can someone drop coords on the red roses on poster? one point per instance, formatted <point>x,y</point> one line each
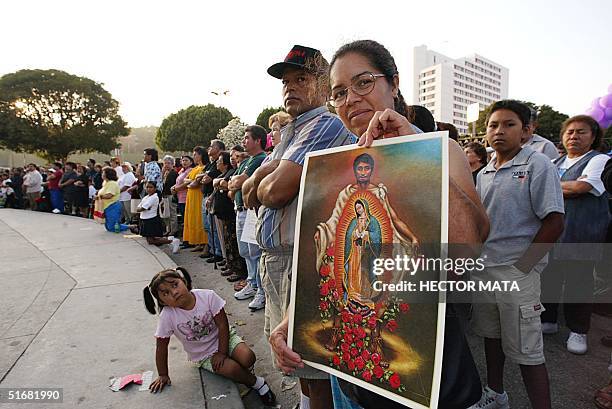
<point>354,351</point>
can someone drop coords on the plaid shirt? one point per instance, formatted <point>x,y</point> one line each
<point>314,130</point>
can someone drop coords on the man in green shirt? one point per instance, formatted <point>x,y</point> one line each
<point>255,138</point>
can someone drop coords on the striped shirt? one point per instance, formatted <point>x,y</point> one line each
<point>314,130</point>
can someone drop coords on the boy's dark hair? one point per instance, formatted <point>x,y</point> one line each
<point>150,292</point>
<point>238,148</point>
<point>593,124</point>
<point>72,165</point>
<point>521,110</point>
<point>381,59</point>
<point>258,133</point>
<point>58,164</point>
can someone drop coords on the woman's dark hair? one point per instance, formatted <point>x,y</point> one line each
<point>150,292</point>
<point>188,158</point>
<point>479,150</point>
<point>258,133</point>
<point>238,148</point>
<point>380,58</point>
<point>226,158</point>
<point>595,128</point>
<point>153,153</point>
<point>109,173</point>
<point>203,154</point>
<point>521,110</point>
<point>151,183</point>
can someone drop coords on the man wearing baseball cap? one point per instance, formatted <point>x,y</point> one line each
<point>276,183</point>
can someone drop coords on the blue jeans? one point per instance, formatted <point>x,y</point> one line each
<point>57,199</point>
<point>249,251</point>
<point>208,224</point>
<point>341,401</point>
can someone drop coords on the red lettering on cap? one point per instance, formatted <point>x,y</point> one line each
<point>296,53</point>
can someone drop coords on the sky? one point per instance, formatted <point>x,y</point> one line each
<point>156,58</point>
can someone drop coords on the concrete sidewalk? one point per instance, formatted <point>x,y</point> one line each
<point>73,314</point>
<point>73,317</point>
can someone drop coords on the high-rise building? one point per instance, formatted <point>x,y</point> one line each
<point>446,86</point>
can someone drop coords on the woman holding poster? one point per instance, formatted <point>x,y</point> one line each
<point>365,94</point>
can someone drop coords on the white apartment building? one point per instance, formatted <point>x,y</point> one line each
<point>446,86</point>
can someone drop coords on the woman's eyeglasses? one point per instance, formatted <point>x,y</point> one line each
<point>361,85</point>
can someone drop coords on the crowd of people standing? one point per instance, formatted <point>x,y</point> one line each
<point>237,207</point>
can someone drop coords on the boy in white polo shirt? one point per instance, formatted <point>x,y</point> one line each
<point>521,192</point>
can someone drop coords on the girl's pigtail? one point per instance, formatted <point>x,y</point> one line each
<point>149,300</point>
<point>185,275</point>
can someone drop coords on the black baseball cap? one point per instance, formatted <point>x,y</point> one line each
<point>298,57</point>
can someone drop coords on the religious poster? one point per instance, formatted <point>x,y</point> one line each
<point>362,214</point>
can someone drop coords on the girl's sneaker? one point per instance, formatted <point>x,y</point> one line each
<point>266,395</point>
<point>491,400</point>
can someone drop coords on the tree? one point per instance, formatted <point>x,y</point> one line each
<point>233,133</point>
<point>549,121</point>
<point>262,118</point>
<point>193,126</point>
<point>54,114</point>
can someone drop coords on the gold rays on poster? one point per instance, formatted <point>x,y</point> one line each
<point>376,210</point>
<point>402,358</point>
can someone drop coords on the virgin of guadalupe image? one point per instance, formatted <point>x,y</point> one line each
<point>362,245</point>
<point>363,227</point>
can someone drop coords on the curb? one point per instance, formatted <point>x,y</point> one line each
<point>219,392</point>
